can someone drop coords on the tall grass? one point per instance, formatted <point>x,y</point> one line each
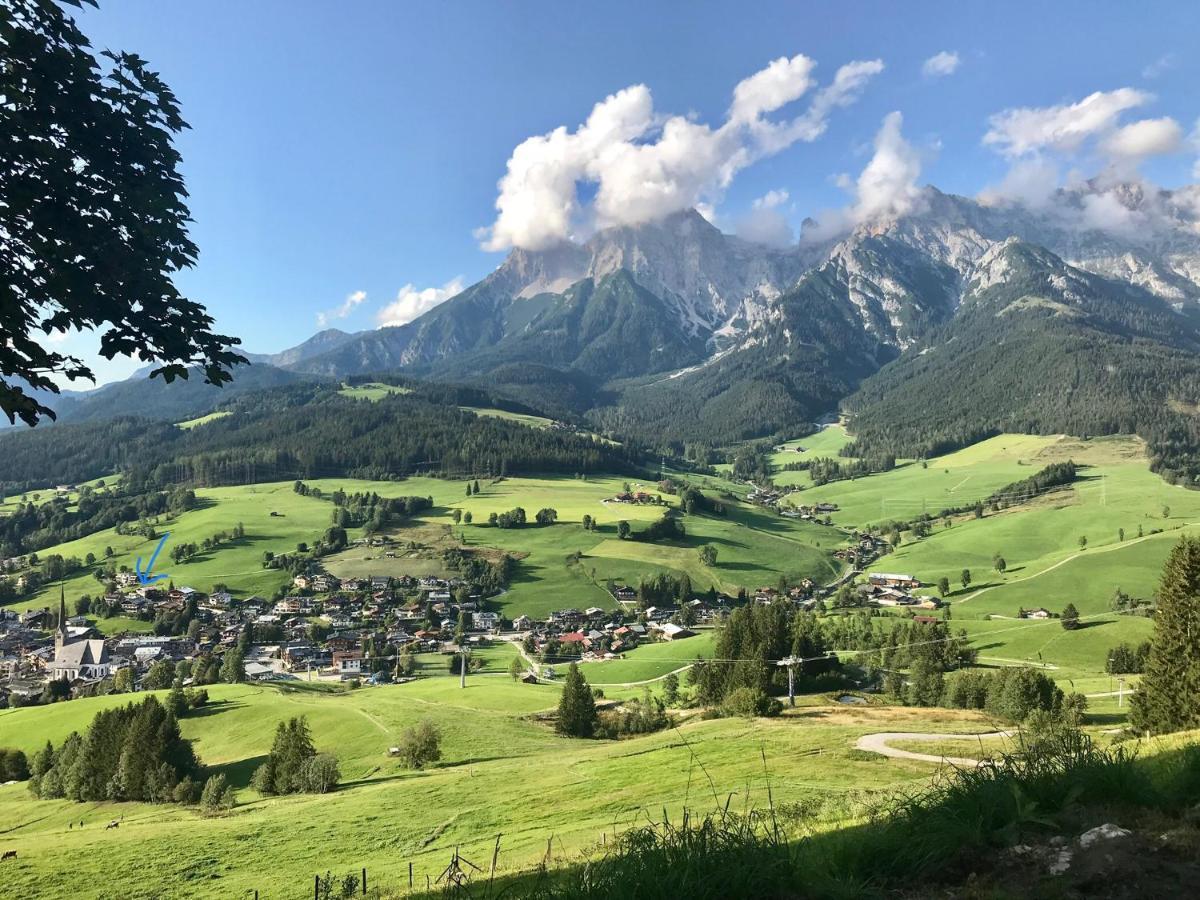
<point>937,834</point>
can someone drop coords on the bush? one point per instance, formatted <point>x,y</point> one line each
<point>421,745</point>
<point>187,792</point>
<point>750,703</point>
<point>320,773</point>
<point>642,716</point>
<point>217,797</point>
<point>13,765</point>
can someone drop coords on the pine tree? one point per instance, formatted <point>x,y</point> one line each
<point>576,706</point>
<point>233,668</point>
<point>1168,698</point>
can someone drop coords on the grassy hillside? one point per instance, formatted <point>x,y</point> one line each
<point>502,773</point>
<point>754,546</point>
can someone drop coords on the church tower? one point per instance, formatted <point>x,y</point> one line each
<point>60,633</point>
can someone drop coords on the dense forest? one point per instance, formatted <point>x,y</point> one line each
<point>307,431</point>
<point>1025,357</point>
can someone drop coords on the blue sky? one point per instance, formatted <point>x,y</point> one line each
<point>341,152</point>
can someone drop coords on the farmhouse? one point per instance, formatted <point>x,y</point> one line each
<point>671,632</point>
<point>1037,613</point>
<point>889,579</point>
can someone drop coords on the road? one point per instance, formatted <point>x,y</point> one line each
<point>878,743</point>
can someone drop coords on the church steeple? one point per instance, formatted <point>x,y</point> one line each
<point>60,633</point>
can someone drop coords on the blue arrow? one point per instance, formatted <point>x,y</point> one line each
<point>146,577</point>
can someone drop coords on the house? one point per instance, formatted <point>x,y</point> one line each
<point>889,579</point>
<point>1037,613</point>
<point>485,621</point>
<point>522,623</point>
<point>257,671</point>
<point>348,662</point>
<point>925,620</point>
<point>625,594</point>
<point>672,632</point>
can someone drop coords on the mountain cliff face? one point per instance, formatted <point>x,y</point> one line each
<point>1038,345</point>
<point>678,330</point>
<point>1080,315</point>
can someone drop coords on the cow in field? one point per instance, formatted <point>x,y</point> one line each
<point>113,824</point>
<point>8,854</point>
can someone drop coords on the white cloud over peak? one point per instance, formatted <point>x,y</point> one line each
<point>1061,128</point>
<point>352,302</point>
<point>645,166</point>
<point>765,223</point>
<point>887,185</point>
<point>1042,142</point>
<point>940,64</point>
<point>886,188</point>
<point>412,302</point>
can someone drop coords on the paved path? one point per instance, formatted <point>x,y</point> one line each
<point>878,743</point>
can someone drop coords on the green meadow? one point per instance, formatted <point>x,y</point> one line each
<point>372,390</point>
<point>504,772</point>
<point>826,443</point>
<point>559,566</point>
<point>203,420</point>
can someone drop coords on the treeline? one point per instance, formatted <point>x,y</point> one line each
<point>691,499</point>
<point>823,470</point>
<point>33,525</point>
<point>304,431</point>
<point>748,645</point>
<point>666,528</point>
<point>185,550</point>
<point>1125,364</point>
<point>489,576</point>
<point>366,509</point>
<point>1013,694</point>
<point>1053,475</point>
<point>1127,659</point>
<point>132,752</point>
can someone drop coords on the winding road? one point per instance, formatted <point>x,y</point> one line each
<point>878,743</point>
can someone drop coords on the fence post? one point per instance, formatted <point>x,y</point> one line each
<point>364,881</point>
<point>410,884</point>
<point>316,887</point>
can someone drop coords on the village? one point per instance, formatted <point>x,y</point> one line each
<point>364,629</point>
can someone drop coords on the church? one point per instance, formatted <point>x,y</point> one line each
<point>86,658</point>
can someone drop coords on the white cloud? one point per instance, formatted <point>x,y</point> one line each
<point>1030,182</point>
<point>781,82</point>
<point>1062,128</point>
<point>765,223</point>
<point>1159,66</point>
<point>352,302</point>
<point>944,63</point>
<point>888,184</point>
<point>1041,141</point>
<point>1105,212</point>
<point>886,188</point>
<point>1144,138</point>
<point>412,302</point>
<point>772,199</point>
<point>646,166</point>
